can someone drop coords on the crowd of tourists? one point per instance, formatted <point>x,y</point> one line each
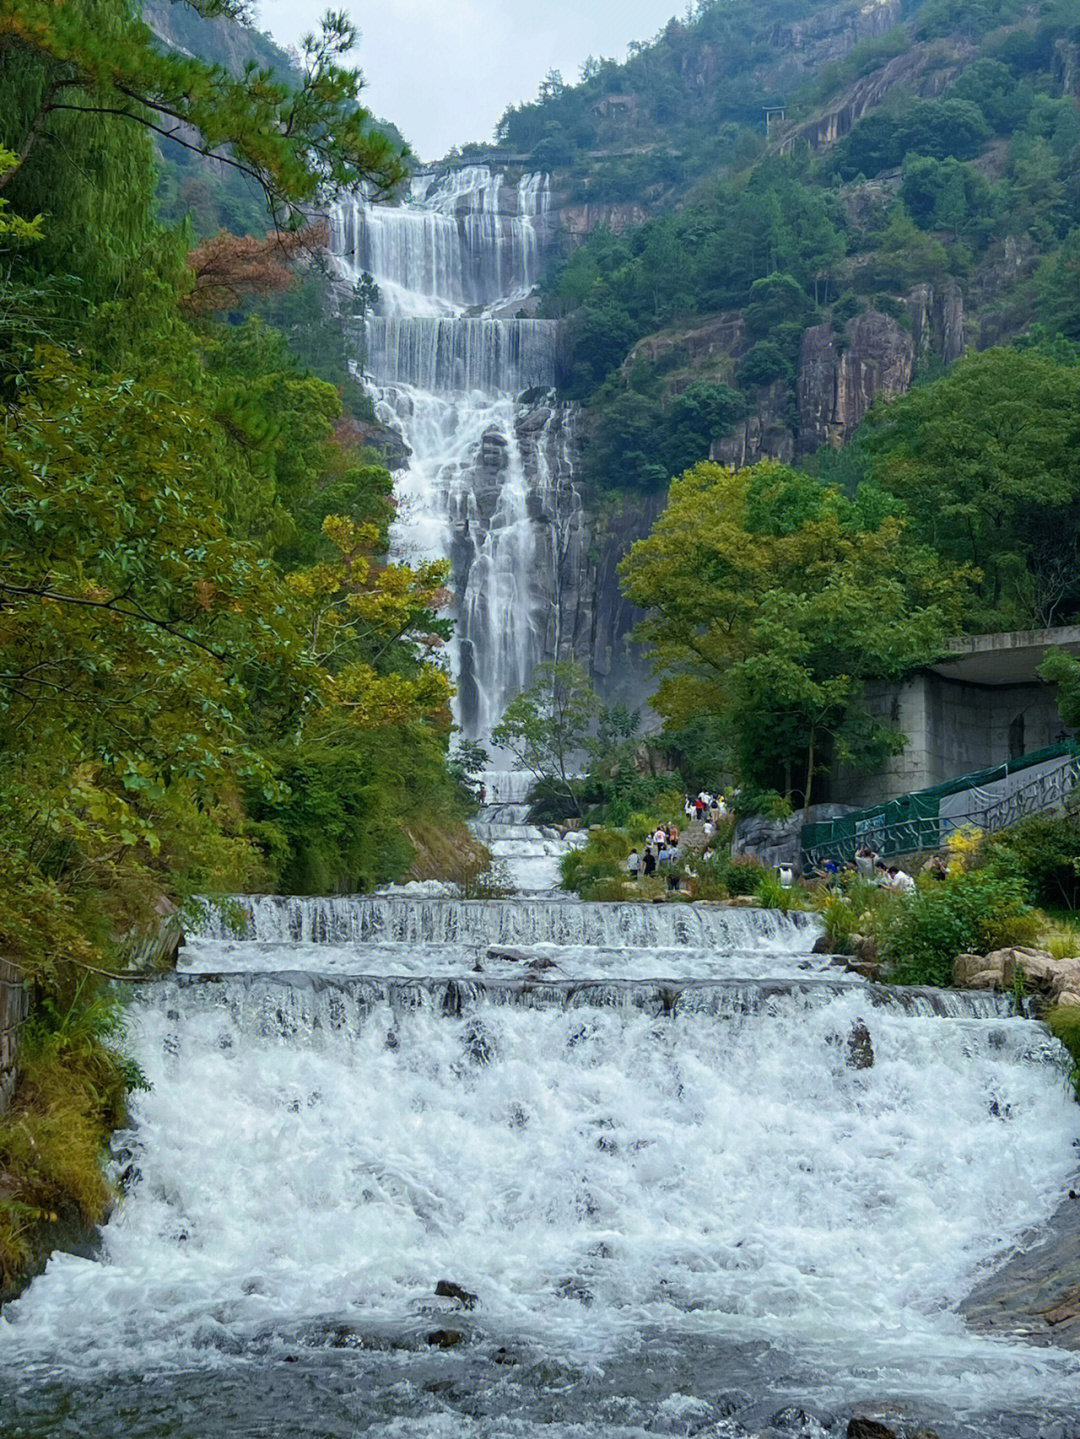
<point>869,866</point>
<point>662,851</point>
<point>662,848</point>
<point>708,809</point>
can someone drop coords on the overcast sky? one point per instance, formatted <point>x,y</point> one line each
<point>445,70</point>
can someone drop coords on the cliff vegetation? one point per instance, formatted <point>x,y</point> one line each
<point>776,215</point>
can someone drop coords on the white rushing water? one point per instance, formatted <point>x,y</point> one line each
<point>447,358</point>
<point>598,1159</point>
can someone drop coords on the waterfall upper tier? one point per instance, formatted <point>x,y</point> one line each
<point>464,239</point>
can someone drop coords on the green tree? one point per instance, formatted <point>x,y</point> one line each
<point>94,59</point>
<point>984,462</point>
<point>1063,670</point>
<point>550,728</point>
<point>771,600</point>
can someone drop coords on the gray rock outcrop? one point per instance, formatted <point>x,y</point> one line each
<point>1056,981</point>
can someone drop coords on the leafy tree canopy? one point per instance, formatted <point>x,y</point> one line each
<point>984,462</point>
<point>91,58</point>
<point>771,599</point>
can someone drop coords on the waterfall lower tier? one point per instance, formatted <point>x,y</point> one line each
<point>462,354</point>
<point>297,1002</point>
<point>660,1202</point>
<point>364,919</point>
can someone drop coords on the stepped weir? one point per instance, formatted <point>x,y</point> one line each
<point>687,1174</point>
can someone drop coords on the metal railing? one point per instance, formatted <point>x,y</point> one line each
<point>987,812</point>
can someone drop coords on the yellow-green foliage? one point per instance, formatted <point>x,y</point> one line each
<point>1062,940</point>
<point>70,1096</point>
<point>602,857</point>
<point>1064,1023</point>
<point>965,846</point>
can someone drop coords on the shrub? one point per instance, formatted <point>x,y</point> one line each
<point>775,895</point>
<point>839,917</point>
<point>605,890</point>
<point>72,1091</point>
<point>1045,850</point>
<point>1061,940</point>
<point>719,875</point>
<point>764,363</point>
<point>602,857</point>
<point>967,913</point>
<point>1064,1024</point>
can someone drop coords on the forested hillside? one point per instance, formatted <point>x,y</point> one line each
<point>845,238</point>
<point>746,284</point>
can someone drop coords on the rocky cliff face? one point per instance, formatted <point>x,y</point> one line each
<point>575,585</point>
<point>924,70</point>
<point>841,375</point>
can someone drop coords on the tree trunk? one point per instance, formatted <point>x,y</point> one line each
<point>809,770</point>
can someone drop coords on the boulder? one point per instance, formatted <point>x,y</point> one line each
<point>864,959</point>
<point>447,1289</point>
<point>862,1428</point>
<point>507,952</point>
<point>860,1049</point>
<point>779,841</point>
<point>978,971</point>
<point>864,948</point>
<point>1049,977</point>
<point>445,1338</point>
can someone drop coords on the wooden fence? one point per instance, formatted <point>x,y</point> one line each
<point>13,1001</point>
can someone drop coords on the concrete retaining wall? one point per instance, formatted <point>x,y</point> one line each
<point>952,728</point>
<point>13,1006</point>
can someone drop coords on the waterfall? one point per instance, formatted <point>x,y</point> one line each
<point>411,1163</point>
<point>448,356</point>
<point>684,1171</point>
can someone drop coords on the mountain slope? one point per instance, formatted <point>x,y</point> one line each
<point>803,208</point>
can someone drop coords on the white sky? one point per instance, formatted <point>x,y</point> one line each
<point>445,70</point>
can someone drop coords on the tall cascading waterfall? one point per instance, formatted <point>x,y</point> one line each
<point>444,1167</point>
<point>488,485</point>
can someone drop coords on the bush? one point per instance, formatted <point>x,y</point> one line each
<point>968,913</point>
<point>605,890</point>
<point>602,857</point>
<point>775,895</point>
<point>839,917</point>
<point>1045,851</point>
<point>72,1092</point>
<point>763,364</point>
<point>719,875</point>
<point>1064,1024</point>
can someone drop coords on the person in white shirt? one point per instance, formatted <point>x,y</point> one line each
<point>900,881</point>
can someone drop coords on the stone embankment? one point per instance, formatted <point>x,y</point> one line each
<point>1035,1296</point>
<point>1051,981</point>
